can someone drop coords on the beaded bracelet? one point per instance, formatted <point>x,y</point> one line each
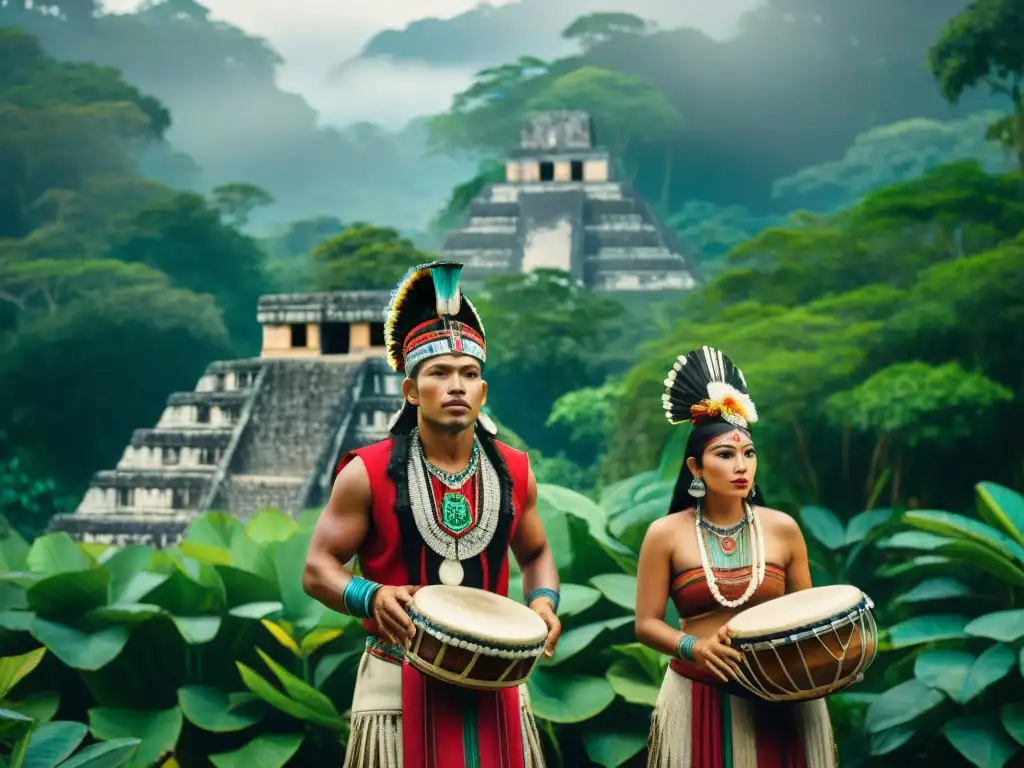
<point>684,647</point>
<point>358,597</point>
<point>547,592</point>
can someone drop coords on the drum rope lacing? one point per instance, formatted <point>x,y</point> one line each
<point>859,618</point>
<point>757,564</point>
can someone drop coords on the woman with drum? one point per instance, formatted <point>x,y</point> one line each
<point>718,552</point>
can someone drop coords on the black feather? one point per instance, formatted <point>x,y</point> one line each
<point>687,382</point>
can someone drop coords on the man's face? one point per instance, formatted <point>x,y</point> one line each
<point>449,391</point>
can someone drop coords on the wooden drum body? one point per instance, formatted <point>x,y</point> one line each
<point>805,645</point>
<point>474,639</point>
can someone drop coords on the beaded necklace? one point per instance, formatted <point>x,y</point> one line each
<point>751,551</point>
<point>450,531</point>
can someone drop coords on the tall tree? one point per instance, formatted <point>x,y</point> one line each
<point>596,28</point>
<point>364,257</point>
<point>983,45</point>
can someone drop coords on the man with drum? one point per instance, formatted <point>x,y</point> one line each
<point>439,502</point>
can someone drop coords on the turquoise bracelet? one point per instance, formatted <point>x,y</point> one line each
<point>684,648</point>
<point>358,597</point>
<point>547,592</point>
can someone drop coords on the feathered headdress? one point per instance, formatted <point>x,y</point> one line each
<point>704,385</point>
<point>428,316</point>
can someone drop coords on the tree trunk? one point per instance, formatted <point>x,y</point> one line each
<point>666,183</point>
<point>812,477</point>
<point>876,459</point>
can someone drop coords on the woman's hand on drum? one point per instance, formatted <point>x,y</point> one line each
<point>543,607</point>
<point>717,653</point>
<point>389,611</point>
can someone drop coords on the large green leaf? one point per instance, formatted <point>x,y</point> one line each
<point>922,565</point>
<point>78,648</point>
<point>945,670</point>
<point>629,681</point>
<point>1012,716</point>
<point>194,597</point>
<point>568,698</point>
<point>1004,626</point>
<point>52,743</point>
<point>57,553</point>
<point>613,749</point>
<point>652,664</point>
<point>620,495</point>
<point>580,638</point>
<point>918,540</point>
<point>865,524</point>
<point>673,453</point>
<point>69,594</point>
<point>630,524</point>
<point>214,710</point>
<point>224,532</point>
<point>13,669</point>
<point>617,588</point>
<point>124,566</point>
<point>571,502</point>
<point>158,729</point>
<point>41,706</point>
<point>266,691</point>
<point>962,527</point>
<point>271,525</point>
<point>299,690</point>
<point>992,666</point>
<point>901,705</point>
<point>575,599</point>
<point>923,629</point>
<point>1002,508</point>
<point>269,750</point>
<point>982,740</point>
<point>984,558</point>
<point>940,588</point>
<point>106,754</point>
<point>824,526</point>
<point>289,559</point>
<point>888,741</point>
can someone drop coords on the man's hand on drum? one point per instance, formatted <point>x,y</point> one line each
<point>389,611</point>
<point>717,653</point>
<point>543,607</point>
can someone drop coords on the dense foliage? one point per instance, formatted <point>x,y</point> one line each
<point>866,275</point>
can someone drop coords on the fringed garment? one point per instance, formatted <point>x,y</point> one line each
<point>448,726</point>
<point>700,723</point>
<point>402,718</point>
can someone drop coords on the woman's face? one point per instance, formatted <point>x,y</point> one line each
<point>730,464</point>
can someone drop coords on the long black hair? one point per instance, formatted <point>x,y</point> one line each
<point>695,444</point>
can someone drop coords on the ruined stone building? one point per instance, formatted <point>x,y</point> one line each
<point>255,433</point>
<point>560,207</point>
<point>268,431</point>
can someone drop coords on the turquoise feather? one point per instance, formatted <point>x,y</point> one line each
<point>446,287</point>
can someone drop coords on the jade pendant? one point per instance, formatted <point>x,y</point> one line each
<point>455,514</point>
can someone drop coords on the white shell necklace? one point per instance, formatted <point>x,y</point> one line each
<point>757,565</point>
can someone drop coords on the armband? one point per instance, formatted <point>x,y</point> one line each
<point>684,647</point>
<point>547,592</point>
<point>358,597</point>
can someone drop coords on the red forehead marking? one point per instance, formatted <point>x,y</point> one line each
<point>735,437</point>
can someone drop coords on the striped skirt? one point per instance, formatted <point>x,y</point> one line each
<point>696,725</point>
<point>375,736</point>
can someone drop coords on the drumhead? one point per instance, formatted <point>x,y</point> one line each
<point>477,613</point>
<point>795,610</point>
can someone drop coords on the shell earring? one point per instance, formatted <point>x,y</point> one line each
<point>697,488</point>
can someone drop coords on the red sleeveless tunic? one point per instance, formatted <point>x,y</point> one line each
<point>381,557</point>
<point>443,726</point>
